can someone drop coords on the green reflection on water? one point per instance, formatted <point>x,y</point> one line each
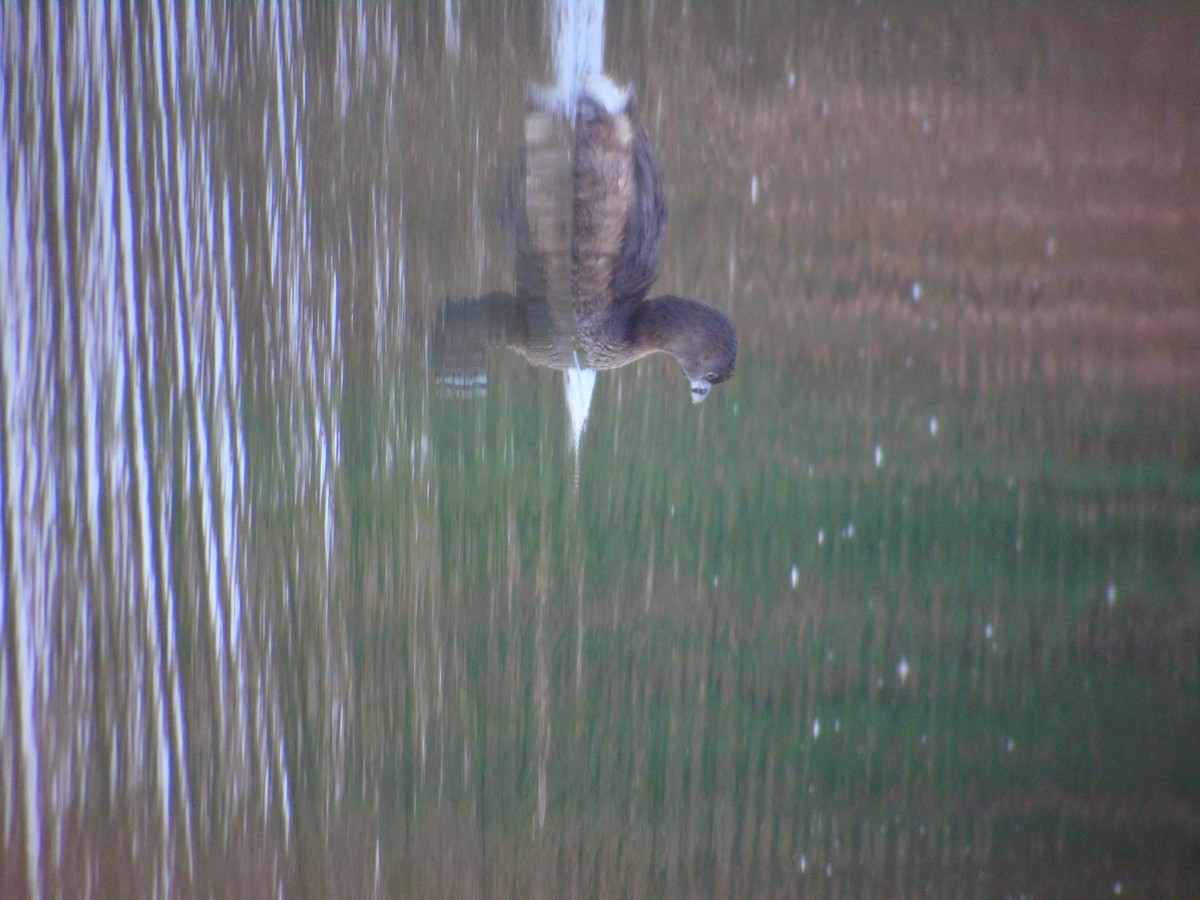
<point>747,637</point>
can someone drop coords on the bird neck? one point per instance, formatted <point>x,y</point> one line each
<point>650,325</point>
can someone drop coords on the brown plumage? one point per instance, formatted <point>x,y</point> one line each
<point>586,261</point>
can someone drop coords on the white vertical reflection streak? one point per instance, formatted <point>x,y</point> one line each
<point>99,341</point>
<point>389,258</point>
<point>25,534</point>
<point>211,364</point>
<point>312,354</point>
<point>170,657</point>
<point>100,350</point>
<point>57,681</point>
<point>190,356</point>
<point>8,252</point>
<point>116,457</point>
<point>155,585</point>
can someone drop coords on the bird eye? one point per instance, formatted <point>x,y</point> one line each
<point>712,377</point>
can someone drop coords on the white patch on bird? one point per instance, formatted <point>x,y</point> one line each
<point>607,93</point>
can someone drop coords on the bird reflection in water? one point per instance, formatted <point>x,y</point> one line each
<point>589,214</point>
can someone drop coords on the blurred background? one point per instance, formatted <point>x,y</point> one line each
<point>910,606</point>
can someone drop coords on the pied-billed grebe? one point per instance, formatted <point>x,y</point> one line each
<point>620,218</point>
<point>604,237</point>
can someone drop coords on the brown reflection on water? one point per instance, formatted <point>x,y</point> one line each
<point>276,620</point>
<point>1024,180</point>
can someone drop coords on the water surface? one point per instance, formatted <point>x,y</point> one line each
<point>911,605</point>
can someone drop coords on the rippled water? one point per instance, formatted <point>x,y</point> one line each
<point>911,605</point>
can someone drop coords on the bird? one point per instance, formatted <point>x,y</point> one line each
<point>590,213</point>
